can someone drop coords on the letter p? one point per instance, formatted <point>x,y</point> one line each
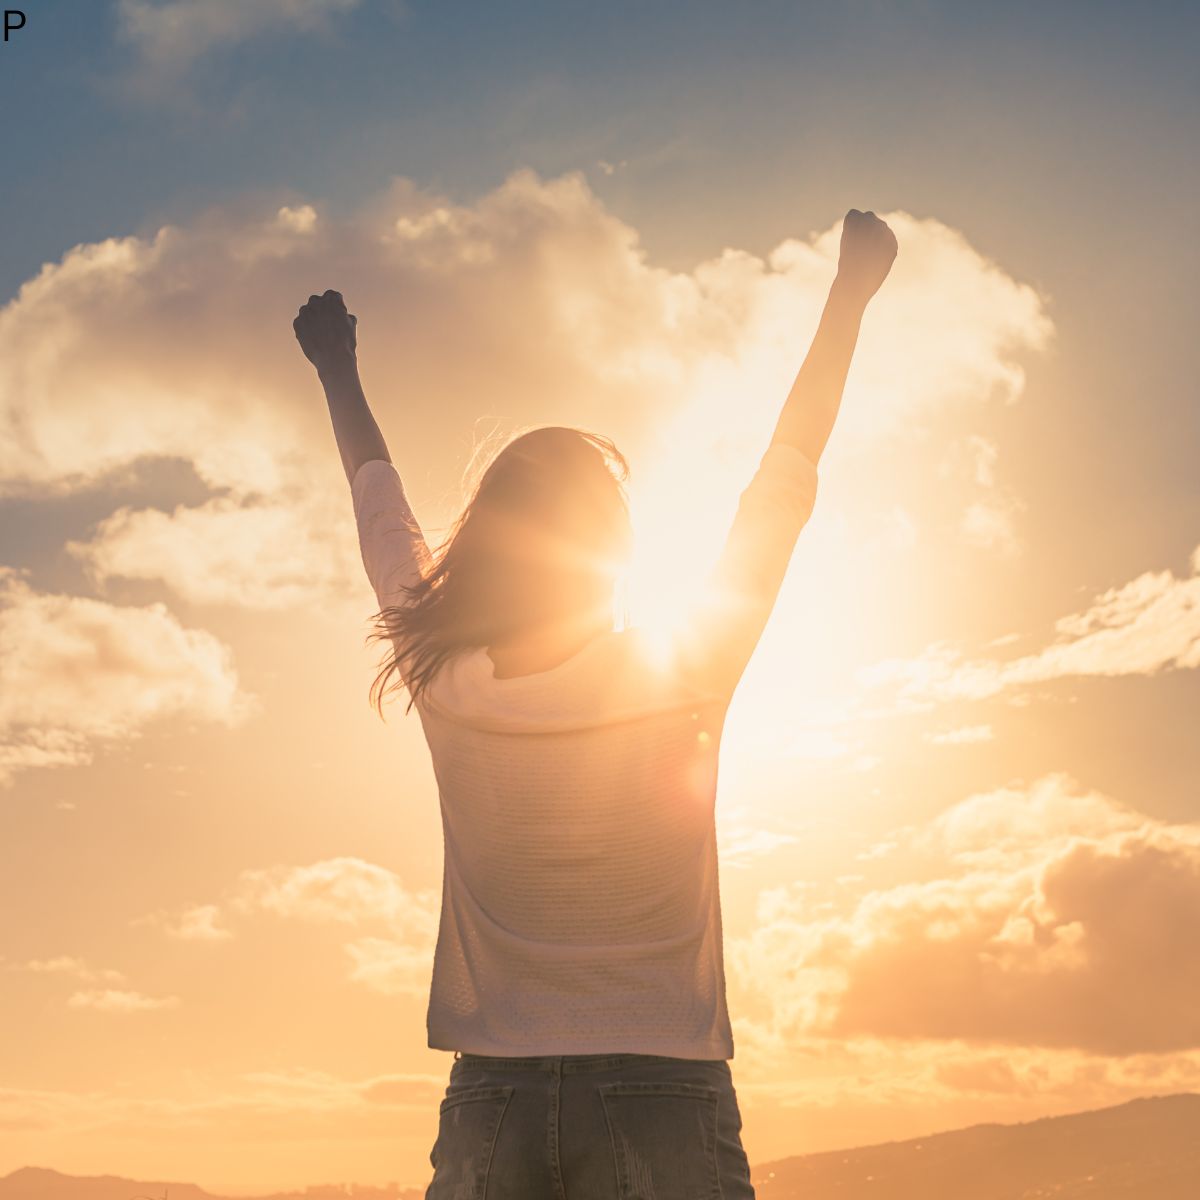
<point>14,19</point>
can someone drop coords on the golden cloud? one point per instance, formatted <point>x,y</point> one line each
<point>77,672</point>
<point>335,891</point>
<point>113,1000</point>
<point>532,304</point>
<point>1062,919</point>
<point>1150,624</point>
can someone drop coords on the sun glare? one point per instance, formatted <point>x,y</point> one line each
<point>669,566</point>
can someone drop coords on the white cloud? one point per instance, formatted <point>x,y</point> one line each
<point>172,32</point>
<point>532,299</point>
<point>531,304</point>
<point>75,406</point>
<point>199,923</point>
<point>985,319</point>
<point>76,673</point>
<point>264,556</point>
<point>114,1001</point>
<point>345,889</point>
<point>302,219</point>
<point>989,517</point>
<point>392,967</point>
<point>66,964</point>
<point>337,891</point>
<point>985,453</point>
<point>1147,625</point>
<point>741,840</point>
<point>1059,918</point>
<point>1008,825</point>
<point>991,524</point>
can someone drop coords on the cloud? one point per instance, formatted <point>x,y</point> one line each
<point>741,840</point>
<point>991,524</point>
<point>1150,624</point>
<point>66,964</point>
<point>76,673</point>
<point>962,736</point>
<point>351,891</point>
<point>300,552</point>
<point>113,1001</point>
<point>933,1083</point>
<point>1059,919</point>
<point>336,891</point>
<point>84,392</point>
<point>302,219</point>
<point>989,520</point>
<point>343,889</point>
<point>531,305</point>
<point>173,32</point>
<point>399,1088</point>
<point>1008,824</point>
<point>988,320</point>
<point>195,924</point>
<point>392,967</point>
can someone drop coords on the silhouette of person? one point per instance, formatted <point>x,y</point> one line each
<point>578,974</point>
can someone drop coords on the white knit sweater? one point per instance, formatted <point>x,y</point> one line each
<point>580,902</point>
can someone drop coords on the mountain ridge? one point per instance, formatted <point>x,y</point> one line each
<point>1144,1149</point>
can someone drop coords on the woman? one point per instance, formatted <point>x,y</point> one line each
<point>578,974</point>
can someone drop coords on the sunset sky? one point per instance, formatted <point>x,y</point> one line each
<point>958,807</point>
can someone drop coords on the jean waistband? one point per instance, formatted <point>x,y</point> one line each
<point>567,1063</point>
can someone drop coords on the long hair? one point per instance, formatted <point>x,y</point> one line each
<point>539,544</point>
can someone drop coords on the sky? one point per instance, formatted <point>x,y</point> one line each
<point>958,813</point>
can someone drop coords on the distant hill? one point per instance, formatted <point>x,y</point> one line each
<point>40,1183</point>
<point>1144,1150</point>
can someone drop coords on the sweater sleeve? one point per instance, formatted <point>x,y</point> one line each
<point>729,618</point>
<point>393,548</point>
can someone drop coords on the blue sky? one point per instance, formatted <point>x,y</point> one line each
<point>1001,114</point>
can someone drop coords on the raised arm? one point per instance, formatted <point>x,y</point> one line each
<point>716,645</point>
<point>327,334</point>
<point>868,249</point>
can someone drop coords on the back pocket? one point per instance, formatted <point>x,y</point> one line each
<point>468,1122</point>
<point>664,1140</point>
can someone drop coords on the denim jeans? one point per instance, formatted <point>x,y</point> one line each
<point>589,1127</point>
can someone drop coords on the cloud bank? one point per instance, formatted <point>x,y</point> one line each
<point>533,304</point>
<point>76,673</point>
<point>1058,918</point>
<point>347,891</point>
<point>1150,624</point>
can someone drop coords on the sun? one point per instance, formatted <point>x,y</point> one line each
<point>677,539</point>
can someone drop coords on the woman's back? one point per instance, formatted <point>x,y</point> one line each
<point>580,903</point>
<point>586,835</point>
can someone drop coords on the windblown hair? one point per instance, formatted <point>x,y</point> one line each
<point>539,543</point>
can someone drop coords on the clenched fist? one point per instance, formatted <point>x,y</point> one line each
<point>327,333</point>
<point>867,253</point>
